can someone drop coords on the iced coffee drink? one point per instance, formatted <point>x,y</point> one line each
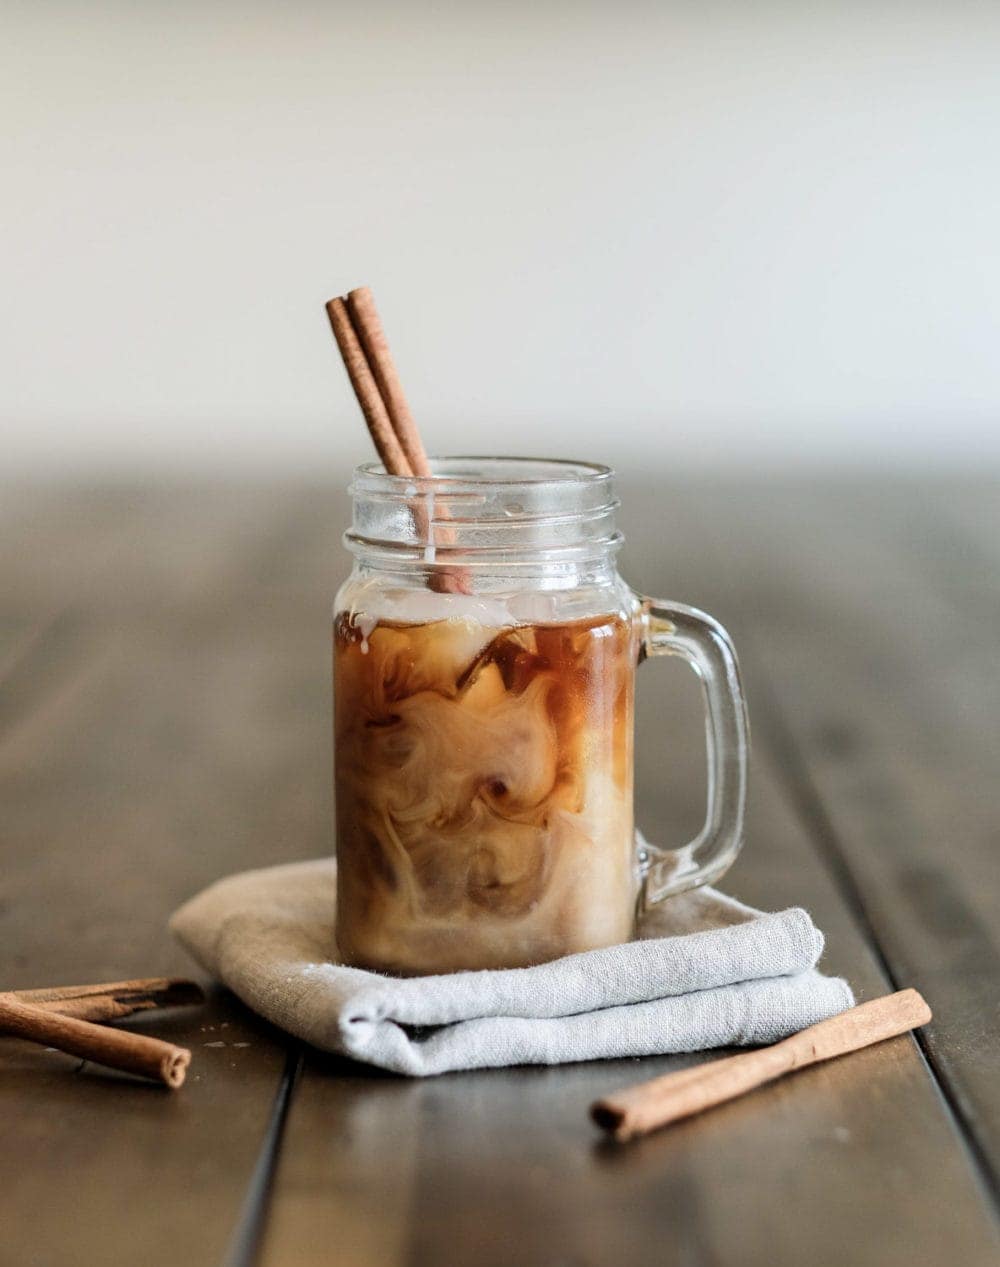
<point>485,649</point>
<point>483,789</point>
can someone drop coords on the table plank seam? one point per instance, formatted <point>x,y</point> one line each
<point>244,1245</point>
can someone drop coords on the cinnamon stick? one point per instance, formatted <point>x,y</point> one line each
<point>112,1000</point>
<point>118,1049</point>
<point>364,348</point>
<point>368,325</point>
<point>643,1108</point>
<point>366,389</point>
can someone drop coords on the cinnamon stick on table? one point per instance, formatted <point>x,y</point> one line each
<point>641,1109</point>
<point>117,1048</point>
<point>112,1000</point>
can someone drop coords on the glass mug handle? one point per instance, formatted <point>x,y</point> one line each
<point>675,629</point>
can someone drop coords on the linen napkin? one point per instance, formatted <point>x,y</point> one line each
<point>705,971</point>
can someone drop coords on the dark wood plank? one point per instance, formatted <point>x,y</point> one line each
<point>166,730</point>
<point>217,670</point>
<point>874,609</point>
<point>859,1161</point>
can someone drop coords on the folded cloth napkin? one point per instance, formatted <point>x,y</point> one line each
<point>705,971</point>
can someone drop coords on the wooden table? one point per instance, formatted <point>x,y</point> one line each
<point>164,720</point>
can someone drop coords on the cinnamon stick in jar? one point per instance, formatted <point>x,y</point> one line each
<point>372,371</point>
<point>359,371</point>
<point>368,324</point>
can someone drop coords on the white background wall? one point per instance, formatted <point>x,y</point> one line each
<point>695,233</point>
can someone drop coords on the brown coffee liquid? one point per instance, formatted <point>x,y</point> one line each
<point>483,784</point>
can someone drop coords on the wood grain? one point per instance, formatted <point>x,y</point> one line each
<point>873,609</point>
<point>860,1161</point>
<point>170,740</point>
<point>168,722</point>
<point>502,1166</point>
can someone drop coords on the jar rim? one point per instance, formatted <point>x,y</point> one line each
<point>486,511</point>
<point>533,472</point>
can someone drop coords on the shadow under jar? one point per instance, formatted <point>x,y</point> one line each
<point>485,650</point>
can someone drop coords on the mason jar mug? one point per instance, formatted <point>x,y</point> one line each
<point>485,656</point>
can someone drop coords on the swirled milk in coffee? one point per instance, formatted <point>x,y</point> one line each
<point>484,790</point>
